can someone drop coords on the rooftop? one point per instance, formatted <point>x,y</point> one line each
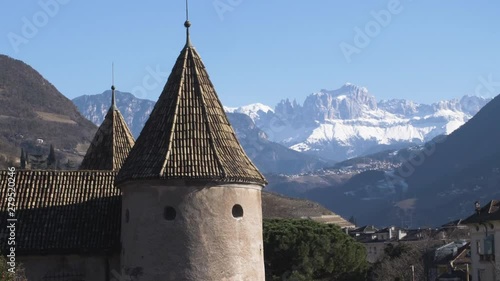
<point>63,212</point>
<point>80,211</point>
<point>188,135</point>
<point>111,144</point>
<point>490,212</point>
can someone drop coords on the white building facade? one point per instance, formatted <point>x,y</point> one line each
<point>484,228</point>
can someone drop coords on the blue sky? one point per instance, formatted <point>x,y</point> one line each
<point>262,51</point>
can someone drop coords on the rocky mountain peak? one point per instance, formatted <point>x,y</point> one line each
<point>472,104</point>
<point>347,102</point>
<point>400,106</point>
<point>334,124</point>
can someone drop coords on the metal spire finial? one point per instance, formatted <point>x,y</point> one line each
<point>113,100</point>
<point>187,24</point>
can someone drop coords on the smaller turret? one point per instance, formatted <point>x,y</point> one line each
<point>112,141</point>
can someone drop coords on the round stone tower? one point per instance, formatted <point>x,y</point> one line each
<point>191,204</point>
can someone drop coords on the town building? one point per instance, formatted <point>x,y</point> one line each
<point>484,226</point>
<point>451,262</point>
<point>375,240</point>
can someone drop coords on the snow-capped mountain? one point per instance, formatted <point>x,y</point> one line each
<point>254,111</point>
<point>270,157</point>
<point>335,125</point>
<point>349,122</point>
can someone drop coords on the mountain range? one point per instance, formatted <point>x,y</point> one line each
<point>400,162</point>
<point>270,157</point>
<point>422,185</point>
<point>426,183</point>
<point>349,122</point>
<point>331,125</point>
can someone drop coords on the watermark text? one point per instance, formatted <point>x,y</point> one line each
<point>364,36</point>
<point>31,26</point>
<point>11,220</point>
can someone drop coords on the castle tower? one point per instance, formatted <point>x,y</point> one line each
<point>191,198</point>
<point>112,142</point>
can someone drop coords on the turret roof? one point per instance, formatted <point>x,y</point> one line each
<point>111,144</point>
<point>188,135</point>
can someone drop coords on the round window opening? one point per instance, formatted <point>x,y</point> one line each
<point>127,216</point>
<point>237,211</point>
<point>169,213</point>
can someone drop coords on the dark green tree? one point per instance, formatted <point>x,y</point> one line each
<point>394,251</point>
<point>306,250</point>
<point>51,159</point>
<point>23,159</point>
<point>26,157</point>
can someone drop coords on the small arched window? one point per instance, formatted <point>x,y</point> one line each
<point>237,211</point>
<point>169,213</point>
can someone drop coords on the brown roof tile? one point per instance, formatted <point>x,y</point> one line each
<point>63,211</point>
<point>111,144</point>
<point>80,211</point>
<point>188,135</point>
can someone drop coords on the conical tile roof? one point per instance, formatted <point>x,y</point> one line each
<point>188,135</point>
<point>111,144</point>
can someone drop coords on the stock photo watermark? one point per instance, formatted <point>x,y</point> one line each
<point>11,220</point>
<point>153,79</point>
<point>118,277</point>
<point>364,36</point>
<point>32,25</point>
<point>224,6</point>
<point>417,159</point>
<point>487,86</point>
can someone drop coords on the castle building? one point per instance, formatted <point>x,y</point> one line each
<point>191,198</point>
<point>68,222</point>
<point>182,203</point>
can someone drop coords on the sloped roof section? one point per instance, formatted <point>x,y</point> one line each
<point>63,212</point>
<point>490,212</point>
<point>111,144</point>
<point>188,135</point>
